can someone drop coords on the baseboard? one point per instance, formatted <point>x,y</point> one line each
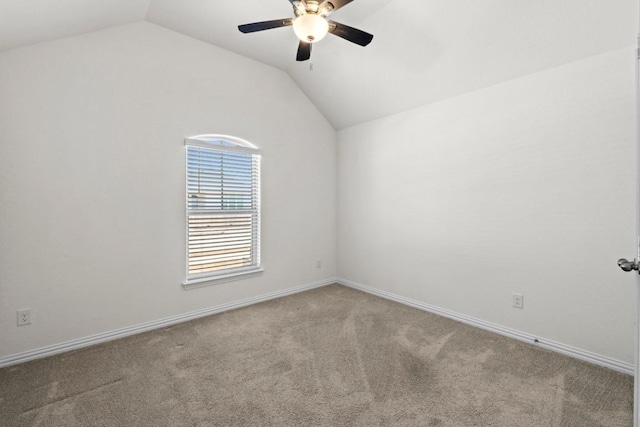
<point>168,321</point>
<point>156,324</point>
<point>577,353</point>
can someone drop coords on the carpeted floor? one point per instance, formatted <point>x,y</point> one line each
<point>332,356</point>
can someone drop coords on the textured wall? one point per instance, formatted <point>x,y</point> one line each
<point>527,186</point>
<point>92,186</point>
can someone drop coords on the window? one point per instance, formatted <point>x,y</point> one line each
<point>223,208</point>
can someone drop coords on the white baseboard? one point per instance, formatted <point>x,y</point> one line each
<point>577,353</point>
<point>50,350</point>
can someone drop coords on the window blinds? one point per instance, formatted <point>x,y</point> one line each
<point>223,210</point>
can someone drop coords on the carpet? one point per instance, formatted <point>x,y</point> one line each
<point>332,356</point>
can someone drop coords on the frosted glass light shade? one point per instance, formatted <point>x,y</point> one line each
<point>310,28</point>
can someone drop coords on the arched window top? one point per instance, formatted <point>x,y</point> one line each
<point>224,142</point>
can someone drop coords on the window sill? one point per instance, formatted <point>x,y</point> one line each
<point>210,281</point>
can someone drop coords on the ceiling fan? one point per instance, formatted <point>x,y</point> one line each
<point>311,25</point>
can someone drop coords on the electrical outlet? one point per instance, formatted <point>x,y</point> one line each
<point>518,300</point>
<point>318,263</point>
<point>24,317</point>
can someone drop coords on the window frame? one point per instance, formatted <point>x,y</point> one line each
<point>223,143</point>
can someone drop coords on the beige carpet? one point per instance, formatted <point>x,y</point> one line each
<point>327,357</point>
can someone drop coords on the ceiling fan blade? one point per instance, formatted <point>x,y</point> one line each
<point>304,51</point>
<point>265,25</point>
<point>337,4</point>
<point>354,35</point>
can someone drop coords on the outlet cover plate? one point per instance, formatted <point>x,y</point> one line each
<point>24,317</point>
<point>518,300</point>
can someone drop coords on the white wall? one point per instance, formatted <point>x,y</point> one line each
<point>92,186</point>
<point>526,186</point>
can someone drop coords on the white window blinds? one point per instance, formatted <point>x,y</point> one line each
<point>223,197</point>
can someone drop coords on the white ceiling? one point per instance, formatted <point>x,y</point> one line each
<point>34,21</point>
<point>423,50</point>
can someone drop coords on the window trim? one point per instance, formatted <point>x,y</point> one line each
<point>216,142</point>
<point>208,281</point>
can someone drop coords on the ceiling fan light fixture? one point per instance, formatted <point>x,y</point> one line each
<point>310,28</point>
<point>310,25</point>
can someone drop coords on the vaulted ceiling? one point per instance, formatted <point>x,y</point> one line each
<point>423,50</point>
